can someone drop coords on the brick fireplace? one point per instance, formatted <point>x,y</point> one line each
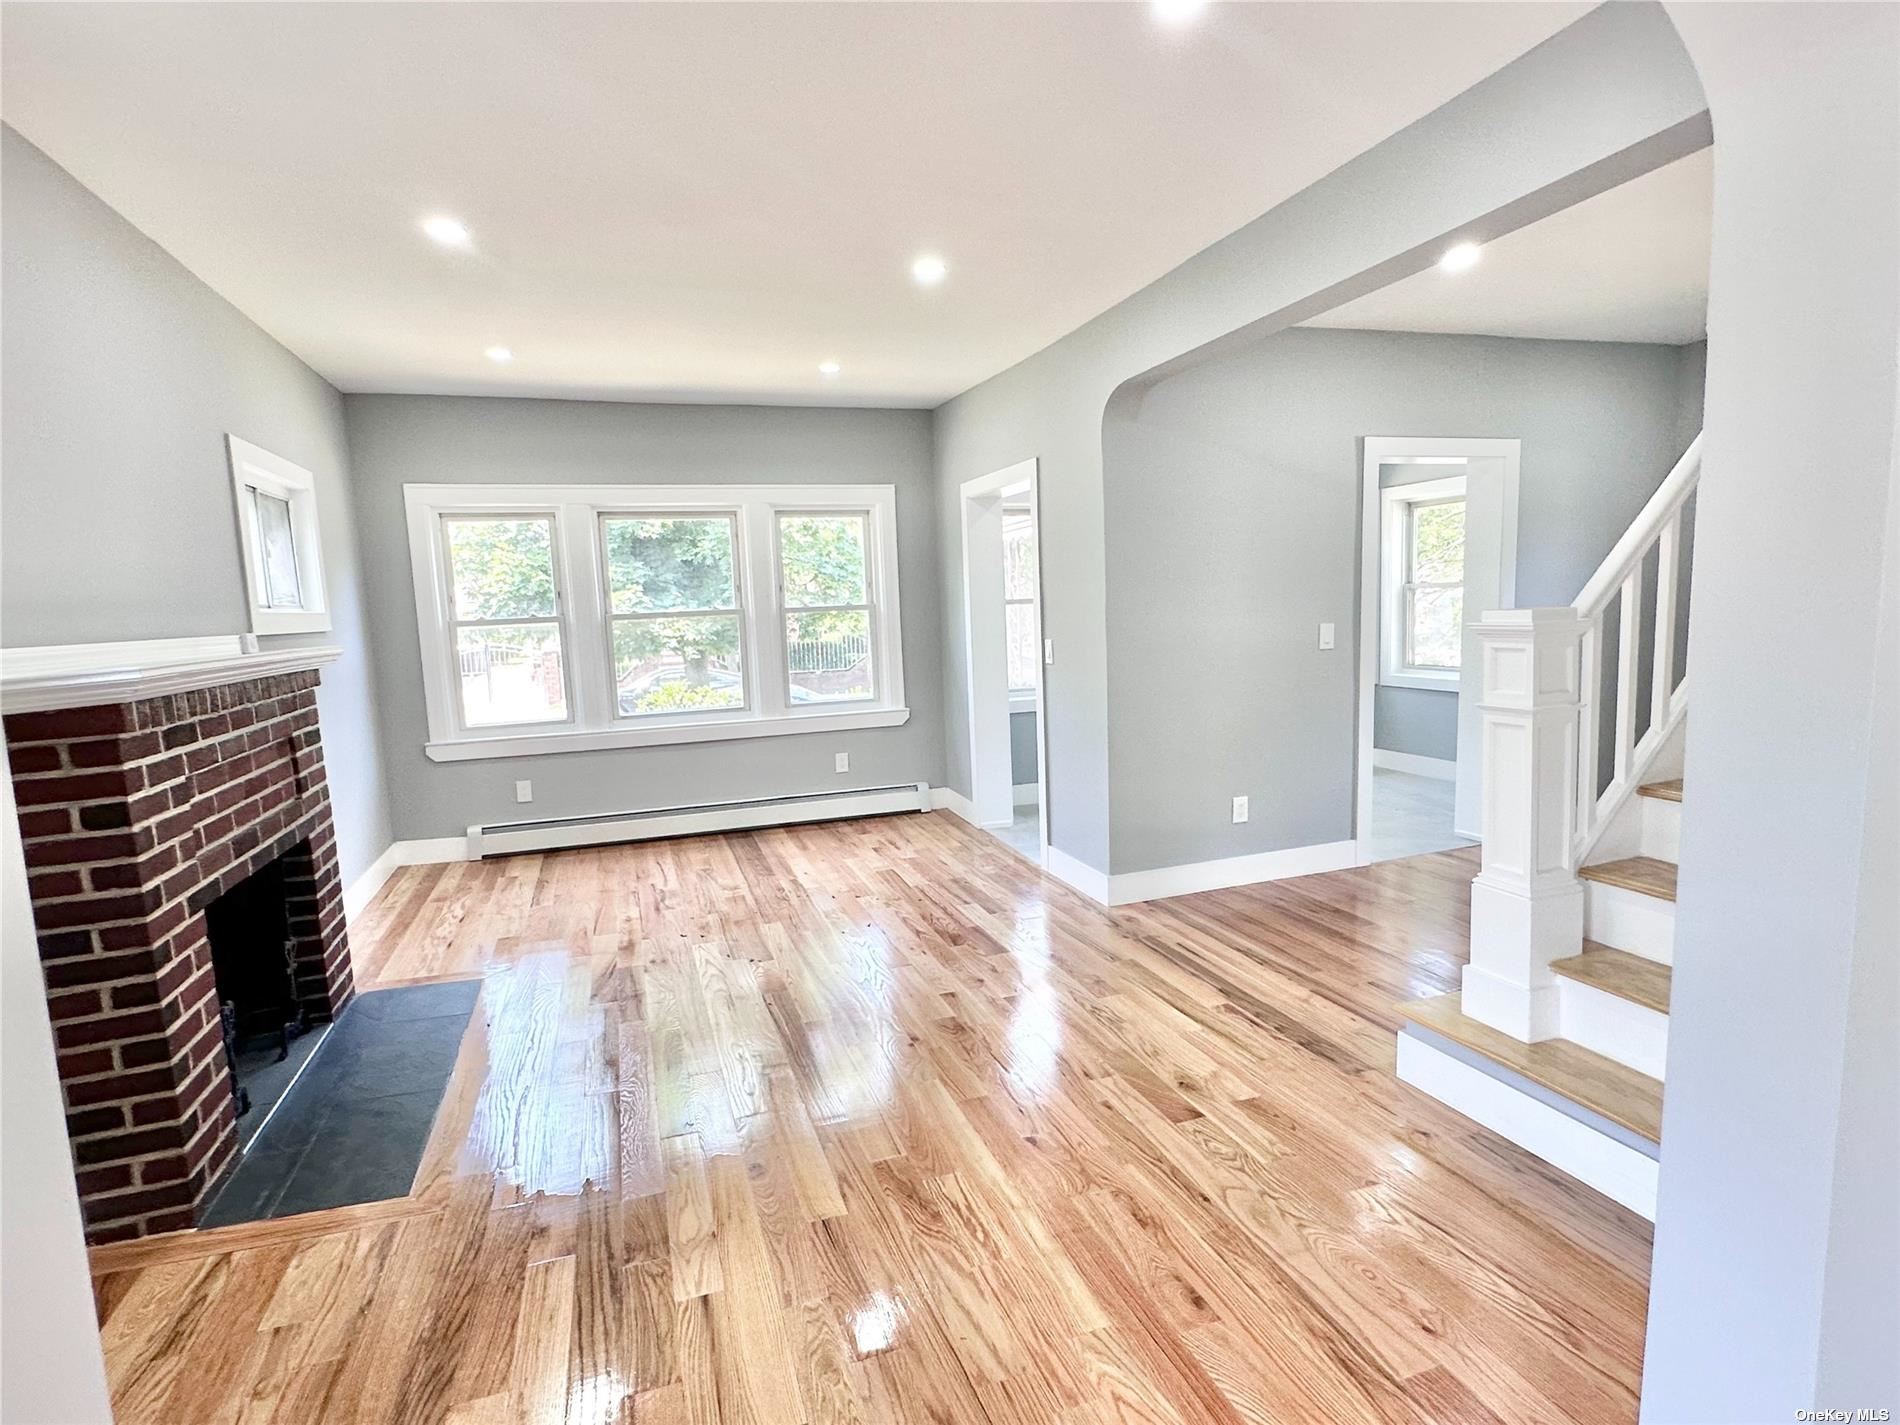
<point>137,815</point>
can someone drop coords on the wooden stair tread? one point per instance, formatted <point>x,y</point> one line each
<point>1670,791</point>
<point>1636,873</point>
<point>1605,1087</point>
<point>1619,973</point>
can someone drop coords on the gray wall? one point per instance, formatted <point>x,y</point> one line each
<point>1022,748</point>
<point>1612,96</point>
<point>396,440</point>
<point>1776,1277</point>
<point>122,374</point>
<point>1421,721</point>
<point>1233,526</point>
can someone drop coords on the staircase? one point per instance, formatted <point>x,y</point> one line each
<point>1559,1038</point>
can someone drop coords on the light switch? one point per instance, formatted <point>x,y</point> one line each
<point>524,791</point>
<point>841,762</point>
<point>1048,650</point>
<point>1326,637</point>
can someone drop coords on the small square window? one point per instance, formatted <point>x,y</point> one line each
<point>279,537</point>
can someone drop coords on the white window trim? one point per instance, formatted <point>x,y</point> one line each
<point>1395,506</point>
<point>253,470</point>
<point>582,608</point>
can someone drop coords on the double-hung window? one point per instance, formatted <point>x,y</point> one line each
<point>564,618</point>
<point>1022,642</point>
<point>504,619</point>
<point>675,623</point>
<point>824,586</point>
<point>1422,637</point>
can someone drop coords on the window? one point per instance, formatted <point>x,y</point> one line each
<point>1022,642</point>
<point>673,602</point>
<point>1422,638</point>
<point>280,540</point>
<point>504,620</point>
<point>563,618</point>
<point>822,569</point>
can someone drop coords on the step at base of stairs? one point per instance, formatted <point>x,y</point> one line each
<point>1591,1117</point>
<point>1617,972</point>
<point>1644,874</point>
<point>1640,924</point>
<point>1670,791</point>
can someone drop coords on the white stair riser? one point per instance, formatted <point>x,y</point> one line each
<point>1662,828</point>
<point>1612,1026</point>
<point>1629,920</point>
<point>1614,1169</point>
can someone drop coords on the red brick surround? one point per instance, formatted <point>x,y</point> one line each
<point>135,817</point>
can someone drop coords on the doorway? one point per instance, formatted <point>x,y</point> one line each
<point>1438,549</point>
<point>1003,649</point>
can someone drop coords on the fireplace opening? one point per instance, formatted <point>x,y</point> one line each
<point>254,962</point>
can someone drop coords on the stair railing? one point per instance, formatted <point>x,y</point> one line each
<point>1619,584</point>
<point>1551,786</point>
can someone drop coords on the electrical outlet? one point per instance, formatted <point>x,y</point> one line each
<point>1049,651</point>
<point>1240,810</point>
<point>524,791</point>
<point>841,763</point>
<point>1326,638</point>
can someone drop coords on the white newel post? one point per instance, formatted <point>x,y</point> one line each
<point>1526,903</point>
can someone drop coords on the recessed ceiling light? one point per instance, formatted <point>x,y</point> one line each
<point>929,269</point>
<point>500,355</point>
<point>1461,258</point>
<point>829,368</point>
<point>448,231</point>
<point>1177,12</point>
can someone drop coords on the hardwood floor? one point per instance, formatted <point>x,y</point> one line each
<point>872,1122</point>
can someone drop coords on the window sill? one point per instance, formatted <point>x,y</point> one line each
<point>545,744</point>
<point>1429,682</point>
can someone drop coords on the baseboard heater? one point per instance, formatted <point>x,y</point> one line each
<point>507,837</point>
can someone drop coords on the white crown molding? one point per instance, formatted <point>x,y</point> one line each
<point>78,675</point>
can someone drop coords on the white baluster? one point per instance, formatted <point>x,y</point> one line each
<point>1590,685</point>
<point>1629,634</point>
<point>1663,667</point>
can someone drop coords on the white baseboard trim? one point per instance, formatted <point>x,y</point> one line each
<point>1078,875</point>
<point>1025,794</point>
<point>432,851</point>
<point>1441,769</point>
<point>1614,1169</point>
<point>1127,887</point>
<point>950,800</point>
<point>360,892</point>
<point>954,802</point>
<point>1131,886</point>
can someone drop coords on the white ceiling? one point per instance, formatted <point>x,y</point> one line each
<point>1631,264</point>
<point>703,201</point>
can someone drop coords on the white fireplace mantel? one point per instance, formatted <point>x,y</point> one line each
<point>77,675</point>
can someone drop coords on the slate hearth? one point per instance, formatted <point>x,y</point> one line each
<point>353,1126</point>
